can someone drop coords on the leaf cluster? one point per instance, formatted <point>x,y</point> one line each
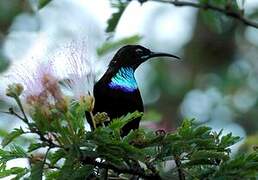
<point>193,152</point>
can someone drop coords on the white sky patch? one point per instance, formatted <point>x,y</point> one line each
<point>158,23</point>
<point>18,44</point>
<point>100,8</point>
<point>251,34</point>
<point>249,5</point>
<point>131,21</point>
<point>77,20</point>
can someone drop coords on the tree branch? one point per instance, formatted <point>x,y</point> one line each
<point>181,175</point>
<point>120,169</point>
<point>207,6</point>
<point>18,101</point>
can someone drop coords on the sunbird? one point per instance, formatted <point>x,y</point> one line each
<point>117,92</point>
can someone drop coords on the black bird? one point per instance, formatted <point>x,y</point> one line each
<point>117,93</point>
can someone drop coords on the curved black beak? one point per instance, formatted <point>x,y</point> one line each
<point>159,54</point>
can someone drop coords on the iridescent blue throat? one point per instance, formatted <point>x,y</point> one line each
<point>124,80</point>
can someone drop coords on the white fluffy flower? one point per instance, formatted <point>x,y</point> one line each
<point>31,76</point>
<point>72,65</point>
<point>75,64</point>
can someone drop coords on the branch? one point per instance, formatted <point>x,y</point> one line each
<point>32,130</point>
<point>50,143</point>
<point>18,101</point>
<point>181,175</point>
<point>11,112</point>
<point>119,169</point>
<point>207,6</point>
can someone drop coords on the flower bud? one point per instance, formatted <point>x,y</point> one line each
<point>62,105</point>
<point>87,101</point>
<point>100,118</point>
<point>14,90</point>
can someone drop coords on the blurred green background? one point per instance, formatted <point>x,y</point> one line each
<point>216,82</point>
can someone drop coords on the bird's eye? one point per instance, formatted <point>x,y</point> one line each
<point>112,63</point>
<point>139,51</point>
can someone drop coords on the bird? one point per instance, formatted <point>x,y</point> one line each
<point>117,92</point>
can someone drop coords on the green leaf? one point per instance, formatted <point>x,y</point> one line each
<point>3,133</point>
<point>4,64</point>
<point>213,20</point>
<point>118,123</point>
<point>70,166</point>
<point>15,152</point>
<point>35,146</point>
<point>19,175</point>
<point>37,171</point>
<point>186,128</point>
<point>83,172</point>
<point>152,115</point>
<point>228,140</point>
<point>11,136</point>
<point>113,21</point>
<point>241,167</point>
<point>18,151</point>
<point>12,171</point>
<point>204,154</point>
<point>50,175</point>
<point>108,46</point>
<point>56,156</point>
<point>202,131</point>
<point>43,3</point>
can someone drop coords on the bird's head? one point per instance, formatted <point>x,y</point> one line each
<point>134,55</point>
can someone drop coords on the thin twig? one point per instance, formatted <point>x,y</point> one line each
<point>18,101</point>
<point>11,112</point>
<point>44,139</point>
<point>121,169</point>
<point>207,6</point>
<point>45,158</point>
<point>5,112</point>
<point>151,167</point>
<point>181,175</point>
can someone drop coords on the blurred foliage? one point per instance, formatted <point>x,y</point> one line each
<point>249,144</point>
<point>4,63</point>
<point>224,3</point>
<point>3,132</point>
<point>8,12</point>
<point>112,45</point>
<point>197,152</point>
<point>43,3</point>
<point>120,5</point>
<point>152,115</point>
